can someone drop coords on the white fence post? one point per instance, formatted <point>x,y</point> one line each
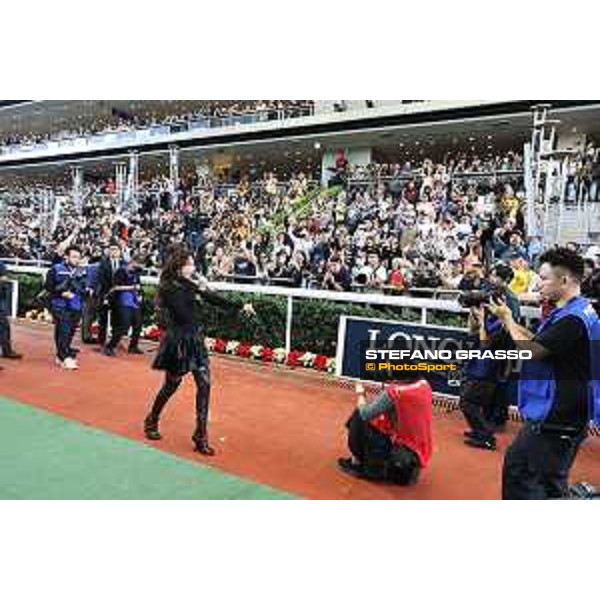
<point>288,325</point>
<point>14,299</point>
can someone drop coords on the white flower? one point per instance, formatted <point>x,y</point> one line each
<point>307,359</point>
<point>279,355</point>
<point>256,351</point>
<point>231,347</point>
<point>331,365</point>
<point>209,343</point>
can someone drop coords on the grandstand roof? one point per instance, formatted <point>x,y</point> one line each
<point>498,127</point>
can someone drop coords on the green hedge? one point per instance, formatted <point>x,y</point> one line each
<point>29,287</point>
<point>314,322</point>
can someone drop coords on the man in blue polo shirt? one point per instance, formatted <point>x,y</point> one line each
<point>558,389</point>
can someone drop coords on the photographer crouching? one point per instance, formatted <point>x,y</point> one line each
<point>390,438</point>
<point>558,388</point>
<point>482,401</point>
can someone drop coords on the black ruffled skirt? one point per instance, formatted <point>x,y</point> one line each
<point>180,352</point>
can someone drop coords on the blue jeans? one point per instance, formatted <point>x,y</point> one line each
<point>65,326</point>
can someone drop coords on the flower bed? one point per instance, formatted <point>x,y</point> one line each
<point>265,354</point>
<point>42,316</point>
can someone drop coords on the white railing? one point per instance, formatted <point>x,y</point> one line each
<point>198,126</point>
<point>25,262</point>
<point>424,305</point>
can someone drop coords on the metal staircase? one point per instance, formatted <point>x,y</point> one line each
<point>548,212</point>
<point>578,223</point>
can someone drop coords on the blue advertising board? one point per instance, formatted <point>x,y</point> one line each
<point>356,330</point>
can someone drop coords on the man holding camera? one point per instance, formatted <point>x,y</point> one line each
<point>482,402</point>
<point>66,284</point>
<point>558,389</point>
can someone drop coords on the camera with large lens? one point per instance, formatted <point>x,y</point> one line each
<point>477,298</point>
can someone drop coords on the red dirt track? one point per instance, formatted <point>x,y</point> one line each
<point>275,427</point>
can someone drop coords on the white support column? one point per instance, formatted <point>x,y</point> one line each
<point>77,178</point>
<point>530,196</point>
<point>288,325</point>
<point>120,183</point>
<point>14,299</point>
<point>132,182</point>
<point>56,211</point>
<point>46,214</point>
<point>174,167</point>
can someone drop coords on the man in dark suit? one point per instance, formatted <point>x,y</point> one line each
<point>105,279</point>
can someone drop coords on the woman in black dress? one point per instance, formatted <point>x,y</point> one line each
<point>182,349</point>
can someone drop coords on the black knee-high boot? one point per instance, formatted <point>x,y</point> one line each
<point>200,437</point>
<point>169,387</point>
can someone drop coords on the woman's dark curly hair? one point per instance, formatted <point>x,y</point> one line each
<point>177,256</point>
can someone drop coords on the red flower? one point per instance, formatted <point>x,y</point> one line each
<point>154,334</point>
<point>94,329</point>
<point>243,350</point>
<point>220,346</point>
<point>293,358</point>
<point>320,363</point>
<point>267,354</point>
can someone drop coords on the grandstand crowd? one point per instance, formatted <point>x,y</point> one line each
<point>387,227</point>
<point>120,120</point>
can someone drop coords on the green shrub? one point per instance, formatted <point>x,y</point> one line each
<point>29,287</point>
<point>314,322</point>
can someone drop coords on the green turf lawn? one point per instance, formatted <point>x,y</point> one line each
<point>43,456</point>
